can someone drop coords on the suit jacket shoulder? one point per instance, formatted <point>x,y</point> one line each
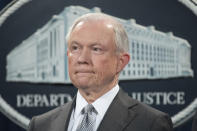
<point>152,119</point>
<point>126,114</point>
<point>54,120</point>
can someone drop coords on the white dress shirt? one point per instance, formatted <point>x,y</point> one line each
<point>101,105</point>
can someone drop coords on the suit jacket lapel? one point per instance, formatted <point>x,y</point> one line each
<point>69,112</point>
<point>119,114</point>
<point>63,117</point>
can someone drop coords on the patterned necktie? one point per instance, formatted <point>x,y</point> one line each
<point>89,117</point>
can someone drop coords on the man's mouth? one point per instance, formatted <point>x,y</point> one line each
<point>84,72</point>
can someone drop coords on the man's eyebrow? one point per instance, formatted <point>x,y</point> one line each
<point>90,45</point>
<point>74,42</point>
<point>96,43</point>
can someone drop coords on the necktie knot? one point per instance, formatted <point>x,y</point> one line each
<point>88,109</point>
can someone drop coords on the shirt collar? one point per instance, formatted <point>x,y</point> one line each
<point>101,104</point>
<point>80,104</point>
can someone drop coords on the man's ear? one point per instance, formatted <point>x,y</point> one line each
<point>122,61</point>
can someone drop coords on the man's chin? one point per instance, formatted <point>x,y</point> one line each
<point>82,84</point>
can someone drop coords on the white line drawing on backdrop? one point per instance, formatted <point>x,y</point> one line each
<point>42,56</point>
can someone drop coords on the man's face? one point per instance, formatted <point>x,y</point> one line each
<point>92,57</point>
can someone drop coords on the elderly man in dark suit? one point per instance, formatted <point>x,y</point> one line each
<point>97,53</point>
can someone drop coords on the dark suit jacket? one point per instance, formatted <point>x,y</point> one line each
<point>124,114</point>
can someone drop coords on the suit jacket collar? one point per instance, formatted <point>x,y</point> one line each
<point>119,114</point>
<point>66,112</point>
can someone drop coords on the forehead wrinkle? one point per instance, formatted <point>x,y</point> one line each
<point>90,44</point>
<point>74,42</point>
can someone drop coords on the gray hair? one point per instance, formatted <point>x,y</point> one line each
<point>121,38</point>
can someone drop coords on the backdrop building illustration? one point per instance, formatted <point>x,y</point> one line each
<point>42,56</point>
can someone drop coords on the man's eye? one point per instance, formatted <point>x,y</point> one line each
<point>74,47</point>
<point>97,49</point>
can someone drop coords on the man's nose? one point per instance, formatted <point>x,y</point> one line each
<point>84,57</point>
